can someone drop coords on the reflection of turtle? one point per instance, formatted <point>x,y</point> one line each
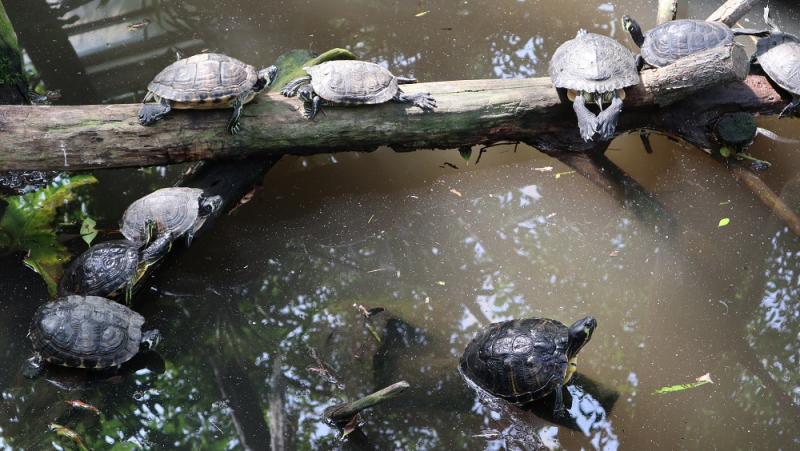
<point>779,56</point>
<point>86,332</point>
<point>594,68</point>
<point>179,211</point>
<point>205,81</point>
<point>525,359</point>
<point>114,267</point>
<point>670,41</point>
<point>352,83</point>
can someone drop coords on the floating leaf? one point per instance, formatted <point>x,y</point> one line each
<point>702,380</point>
<point>88,230</point>
<point>466,153</point>
<point>723,222</point>
<point>558,175</point>
<point>725,151</point>
<point>421,14</point>
<point>27,226</point>
<point>725,203</point>
<point>440,283</point>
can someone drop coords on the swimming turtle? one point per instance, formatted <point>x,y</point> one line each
<point>180,211</point>
<point>779,56</point>
<point>205,81</point>
<point>347,82</point>
<point>670,41</point>
<point>594,68</point>
<point>115,267</point>
<point>86,332</point>
<point>523,360</point>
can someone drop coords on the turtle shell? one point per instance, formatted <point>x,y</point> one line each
<point>593,63</point>
<point>86,332</point>
<point>352,82</point>
<point>103,270</point>
<point>175,210</point>
<point>670,41</point>
<point>779,56</point>
<point>520,360</point>
<point>207,80</point>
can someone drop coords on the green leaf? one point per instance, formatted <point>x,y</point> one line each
<point>675,388</point>
<point>466,154</point>
<point>723,222</point>
<point>28,226</point>
<point>558,175</point>
<point>725,151</point>
<point>88,230</point>
<point>422,13</point>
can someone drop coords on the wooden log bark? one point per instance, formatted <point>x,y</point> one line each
<point>470,112</point>
<point>733,10</point>
<point>667,10</point>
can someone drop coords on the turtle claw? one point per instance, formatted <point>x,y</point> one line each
<point>587,122</point>
<point>607,119</point>
<point>422,100</point>
<point>152,112</point>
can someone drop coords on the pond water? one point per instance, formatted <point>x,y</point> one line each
<point>268,299</point>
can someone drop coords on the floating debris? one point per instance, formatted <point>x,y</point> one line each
<point>139,25</point>
<point>702,380</point>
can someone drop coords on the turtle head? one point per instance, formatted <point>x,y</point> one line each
<point>209,204</point>
<point>305,93</point>
<point>633,29</point>
<point>32,367</point>
<point>579,334</point>
<point>265,78</point>
<point>150,339</point>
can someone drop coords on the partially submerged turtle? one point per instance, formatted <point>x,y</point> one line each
<point>594,68</point>
<point>670,41</point>
<point>779,56</point>
<point>346,82</point>
<point>205,81</point>
<point>86,332</point>
<point>526,359</point>
<point>115,267</point>
<point>180,211</point>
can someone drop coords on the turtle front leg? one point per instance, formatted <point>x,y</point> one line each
<point>152,112</point>
<point>587,122</point>
<point>420,99</point>
<point>290,90</point>
<point>32,367</point>
<point>559,411</point>
<point>607,120</point>
<point>238,104</point>
<point>791,106</point>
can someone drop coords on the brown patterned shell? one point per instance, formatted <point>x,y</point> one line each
<point>676,39</point>
<point>352,82</point>
<point>86,332</point>
<point>779,56</point>
<point>520,360</point>
<point>593,63</point>
<point>207,80</point>
<point>175,210</point>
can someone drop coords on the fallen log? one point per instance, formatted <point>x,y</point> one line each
<point>470,112</point>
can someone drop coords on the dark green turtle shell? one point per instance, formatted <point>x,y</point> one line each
<point>175,210</point>
<point>103,270</point>
<point>345,82</point>
<point>86,332</point>
<point>779,56</point>
<point>593,63</point>
<point>520,360</point>
<point>207,80</point>
<point>670,41</point>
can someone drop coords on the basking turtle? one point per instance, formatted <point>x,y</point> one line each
<point>670,41</point>
<point>205,81</point>
<point>594,68</point>
<point>115,267</point>
<point>344,82</point>
<point>180,211</point>
<point>86,332</point>
<point>526,359</point>
<point>779,56</point>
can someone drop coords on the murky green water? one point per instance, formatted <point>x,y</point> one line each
<point>443,249</point>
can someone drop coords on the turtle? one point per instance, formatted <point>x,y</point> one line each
<point>115,267</point>
<point>779,56</point>
<point>594,68</point>
<point>180,211</point>
<point>205,81</point>
<point>350,82</point>
<point>523,360</point>
<point>670,41</point>
<point>86,332</point>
